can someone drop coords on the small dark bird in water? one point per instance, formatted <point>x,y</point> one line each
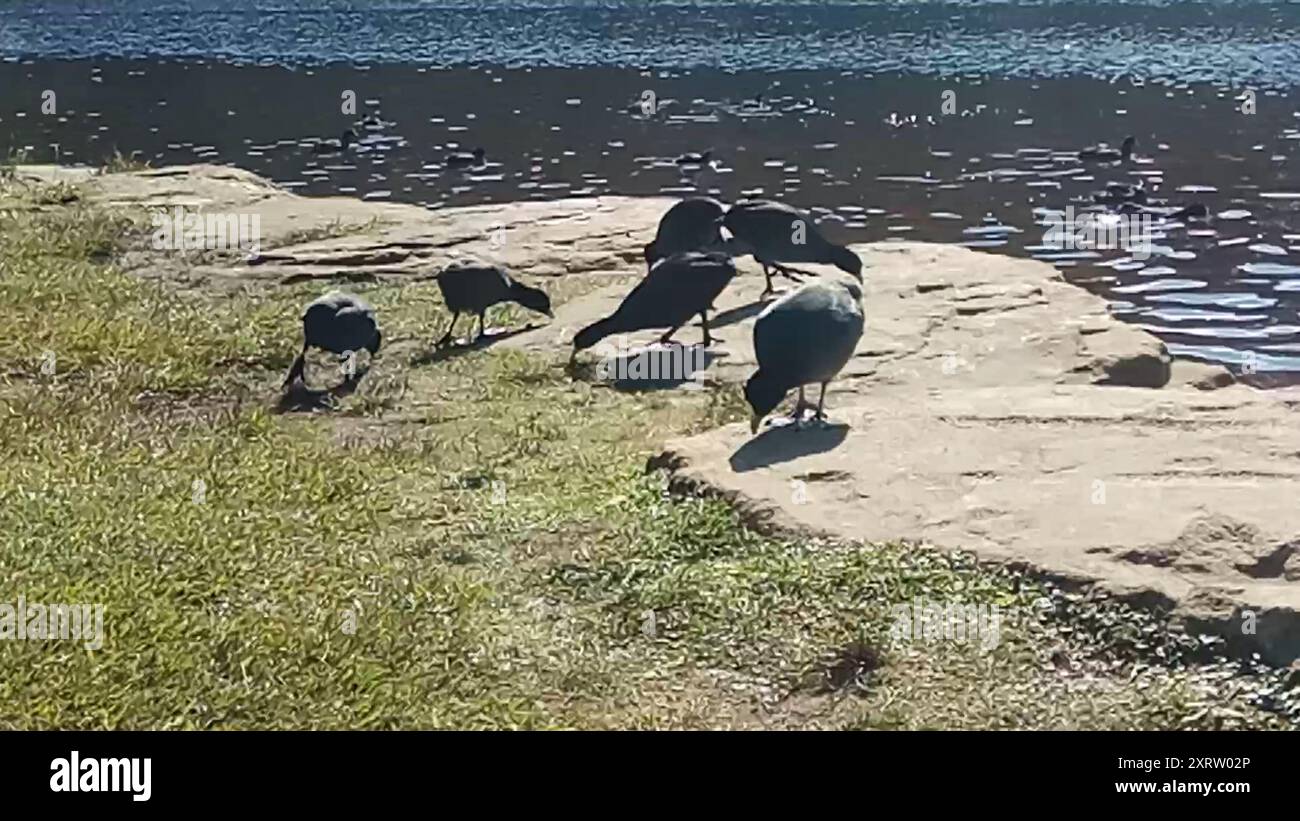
<point>373,121</point>
<point>1104,153</point>
<point>1120,192</point>
<point>774,233</point>
<point>466,159</point>
<point>695,157</point>
<point>677,288</point>
<point>343,143</point>
<point>1193,211</point>
<point>694,224</point>
<point>472,288</point>
<point>340,323</point>
<point>804,337</point>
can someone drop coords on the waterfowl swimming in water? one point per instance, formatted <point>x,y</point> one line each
<point>340,323</point>
<point>694,224</point>
<point>373,121</point>
<point>775,233</point>
<point>1120,192</point>
<point>805,337</point>
<point>469,287</point>
<point>677,288</point>
<point>695,157</point>
<point>343,143</point>
<point>1104,153</point>
<point>1193,211</point>
<point>466,159</point>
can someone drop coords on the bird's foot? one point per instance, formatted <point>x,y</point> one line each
<point>792,274</point>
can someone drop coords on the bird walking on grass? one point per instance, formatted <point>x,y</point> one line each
<point>693,224</point>
<point>775,233</point>
<point>341,323</point>
<point>805,337</point>
<point>473,288</point>
<point>676,289</point>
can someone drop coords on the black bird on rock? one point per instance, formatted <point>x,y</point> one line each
<point>472,288</point>
<point>340,323</point>
<point>694,224</point>
<point>773,233</point>
<point>804,337</point>
<point>676,289</point>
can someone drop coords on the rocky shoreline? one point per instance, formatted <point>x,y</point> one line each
<point>991,406</point>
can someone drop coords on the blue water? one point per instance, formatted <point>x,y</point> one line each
<point>1255,42</point>
<point>849,125</point>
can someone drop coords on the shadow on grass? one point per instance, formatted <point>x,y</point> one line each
<point>654,367</point>
<point>455,348</point>
<point>298,398</point>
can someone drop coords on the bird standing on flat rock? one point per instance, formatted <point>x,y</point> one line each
<point>470,287</point>
<point>804,337</point>
<point>694,224</point>
<point>676,289</point>
<point>340,323</point>
<point>773,233</point>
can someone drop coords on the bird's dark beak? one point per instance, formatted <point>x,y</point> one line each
<point>550,315</point>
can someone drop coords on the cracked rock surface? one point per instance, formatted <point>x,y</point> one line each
<point>990,406</point>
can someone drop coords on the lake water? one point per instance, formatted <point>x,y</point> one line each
<point>950,122</point>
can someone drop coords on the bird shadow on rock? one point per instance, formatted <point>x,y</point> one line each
<point>650,368</point>
<point>782,443</point>
<point>298,398</point>
<point>442,353</point>
<point>739,314</point>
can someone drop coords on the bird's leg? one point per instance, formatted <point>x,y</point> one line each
<point>482,326</point>
<point>789,273</point>
<point>799,407</point>
<point>667,338</point>
<point>821,404</point>
<point>767,272</point>
<point>704,323</point>
<point>447,336</point>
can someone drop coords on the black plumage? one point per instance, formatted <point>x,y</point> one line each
<point>1104,153</point>
<point>343,143</point>
<point>694,224</point>
<point>340,323</point>
<point>472,288</point>
<point>676,289</point>
<point>805,337</point>
<point>466,159</point>
<point>775,233</point>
